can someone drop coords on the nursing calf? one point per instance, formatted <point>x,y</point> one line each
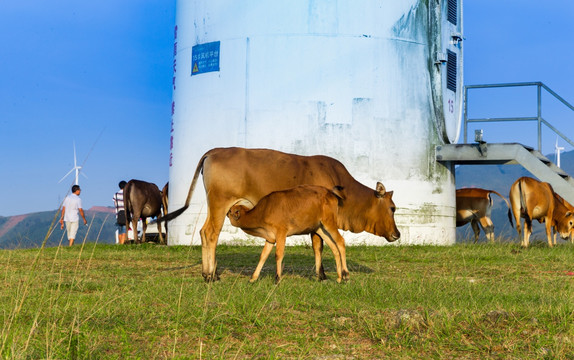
<point>534,200</point>
<point>305,209</point>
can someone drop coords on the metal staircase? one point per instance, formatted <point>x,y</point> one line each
<point>501,154</point>
<point>482,153</point>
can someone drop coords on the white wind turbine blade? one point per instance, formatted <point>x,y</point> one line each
<point>69,172</point>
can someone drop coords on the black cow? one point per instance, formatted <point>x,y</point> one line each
<point>142,200</point>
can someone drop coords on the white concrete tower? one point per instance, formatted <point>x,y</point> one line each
<point>375,84</point>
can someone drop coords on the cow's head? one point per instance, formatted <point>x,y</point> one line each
<point>565,226</point>
<point>234,214</point>
<point>382,214</point>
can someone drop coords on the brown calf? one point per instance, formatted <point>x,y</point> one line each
<point>305,209</point>
<point>474,205</point>
<point>534,200</point>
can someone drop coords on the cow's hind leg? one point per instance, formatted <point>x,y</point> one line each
<point>144,228</point>
<point>330,225</point>
<point>135,220</point>
<point>527,232</point>
<point>327,237</point>
<point>342,251</point>
<point>317,244</point>
<point>161,239</point>
<point>279,254</point>
<point>264,255</point>
<point>209,236</point>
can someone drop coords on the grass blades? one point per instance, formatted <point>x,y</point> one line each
<point>93,301</point>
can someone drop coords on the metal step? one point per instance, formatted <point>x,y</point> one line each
<point>540,157</point>
<point>511,153</point>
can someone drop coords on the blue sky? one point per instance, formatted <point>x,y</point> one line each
<point>99,74</point>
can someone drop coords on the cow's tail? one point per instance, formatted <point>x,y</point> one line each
<point>127,204</point>
<point>522,198</point>
<point>507,205</point>
<point>178,212</point>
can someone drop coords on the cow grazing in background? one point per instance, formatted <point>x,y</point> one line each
<point>304,209</point>
<point>571,209</point>
<point>233,175</point>
<point>474,205</point>
<point>142,200</point>
<point>534,200</point>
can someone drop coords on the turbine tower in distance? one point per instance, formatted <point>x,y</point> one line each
<point>76,168</point>
<point>557,150</point>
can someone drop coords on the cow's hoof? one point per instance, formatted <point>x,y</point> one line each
<point>211,278</point>
<point>345,275</point>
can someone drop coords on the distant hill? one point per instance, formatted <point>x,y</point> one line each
<point>500,178</point>
<point>29,230</point>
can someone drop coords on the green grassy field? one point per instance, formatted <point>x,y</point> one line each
<point>150,302</point>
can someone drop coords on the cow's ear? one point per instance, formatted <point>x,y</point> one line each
<point>380,191</point>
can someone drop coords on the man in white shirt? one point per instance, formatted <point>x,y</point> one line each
<point>72,206</point>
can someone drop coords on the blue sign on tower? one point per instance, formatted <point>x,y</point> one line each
<point>205,58</point>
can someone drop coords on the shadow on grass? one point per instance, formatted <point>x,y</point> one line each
<point>294,264</point>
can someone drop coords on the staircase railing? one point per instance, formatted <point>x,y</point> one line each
<point>538,118</point>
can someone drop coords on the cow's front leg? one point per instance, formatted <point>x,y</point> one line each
<point>264,254</point>
<point>549,233</point>
<point>475,230</point>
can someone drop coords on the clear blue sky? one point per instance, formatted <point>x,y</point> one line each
<point>99,73</point>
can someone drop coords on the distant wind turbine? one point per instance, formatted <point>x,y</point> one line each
<point>557,150</point>
<point>76,168</point>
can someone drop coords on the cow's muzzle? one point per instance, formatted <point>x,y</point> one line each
<point>394,236</point>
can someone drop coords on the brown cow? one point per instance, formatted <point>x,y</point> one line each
<point>304,209</point>
<point>142,200</point>
<point>535,200</point>
<point>232,175</point>
<point>474,205</point>
<point>571,209</point>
